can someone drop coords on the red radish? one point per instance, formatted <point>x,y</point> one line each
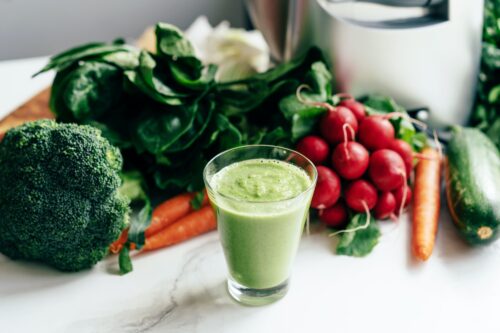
<point>398,195</point>
<point>327,190</point>
<point>356,108</point>
<point>386,205</point>
<point>375,132</point>
<point>331,125</point>
<point>387,170</point>
<point>404,150</point>
<point>359,194</point>
<point>335,216</point>
<point>350,160</point>
<point>314,148</point>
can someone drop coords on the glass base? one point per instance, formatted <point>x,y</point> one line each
<point>256,297</point>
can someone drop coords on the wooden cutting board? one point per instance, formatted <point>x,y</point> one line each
<point>35,108</point>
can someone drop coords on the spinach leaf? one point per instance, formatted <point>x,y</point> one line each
<point>134,187</point>
<point>125,60</point>
<point>150,81</point>
<point>56,102</point>
<point>197,201</point>
<point>200,122</point>
<point>171,43</point>
<point>158,131</point>
<point>91,89</point>
<point>277,137</point>
<point>84,52</point>
<point>113,136</point>
<point>243,96</point>
<point>188,176</point>
<point>182,77</point>
<point>319,79</point>
<point>303,117</point>
<point>229,135</point>
<point>136,80</point>
<point>361,242</point>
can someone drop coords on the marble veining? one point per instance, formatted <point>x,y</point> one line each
<point>162,311</point>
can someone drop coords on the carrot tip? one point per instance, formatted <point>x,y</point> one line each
<point>422,252</point>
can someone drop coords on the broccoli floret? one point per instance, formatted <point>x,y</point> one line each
<point>59,199</point>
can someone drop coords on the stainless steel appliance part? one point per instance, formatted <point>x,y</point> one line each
<point>421,52</point>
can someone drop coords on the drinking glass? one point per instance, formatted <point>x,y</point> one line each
<point>259,238</point>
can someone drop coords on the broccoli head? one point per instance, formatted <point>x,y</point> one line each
<point>59,199</point>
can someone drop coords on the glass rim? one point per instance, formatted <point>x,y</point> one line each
<point>309,188</point>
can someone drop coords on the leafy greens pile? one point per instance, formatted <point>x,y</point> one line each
<point>169,116</point>
<point>486,113</point>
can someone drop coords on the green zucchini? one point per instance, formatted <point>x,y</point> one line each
<point>472,174</point>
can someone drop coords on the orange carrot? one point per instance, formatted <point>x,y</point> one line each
<point>188,227</point>
<point>170,211</point>
<point>163,215</point>
<point>426,203</point>
<point>117,245</point>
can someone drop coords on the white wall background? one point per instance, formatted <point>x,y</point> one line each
<point>41,27</point>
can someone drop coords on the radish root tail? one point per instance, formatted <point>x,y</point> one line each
<point>359,227</point>
<point>303,100</point>
<point>419,123</point>
<point>346,139</point>
<point>438,145</point>
<point>405,190</point>
<point>341,96</point>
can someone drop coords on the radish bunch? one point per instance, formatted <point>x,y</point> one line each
<point>362,166</point>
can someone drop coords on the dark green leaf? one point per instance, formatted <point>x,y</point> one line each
<point>134,187</point>
<point>418,141</point>
<point>229,135</point>
<point>182,78</point>
<point>188,176</point>
<point>124,59</point>
<point>201,120</point>
<point>84,52</point>
<point>319,79</point>
<point>494,132</point>
<point>277,137</point>
<point>115,138</point>
<point>139,224</point>
<point>170,41</point>
<point>303,117</point>
<point>361,242</point>
<point>197,201</point>
<point>160,130</point>
<point>377,104</point>
<point>137,81</point>
<point>92,89</point>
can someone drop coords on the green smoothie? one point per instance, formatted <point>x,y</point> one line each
<point>261,211</point>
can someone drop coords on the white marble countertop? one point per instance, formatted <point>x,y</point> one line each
<point>181,289</point>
